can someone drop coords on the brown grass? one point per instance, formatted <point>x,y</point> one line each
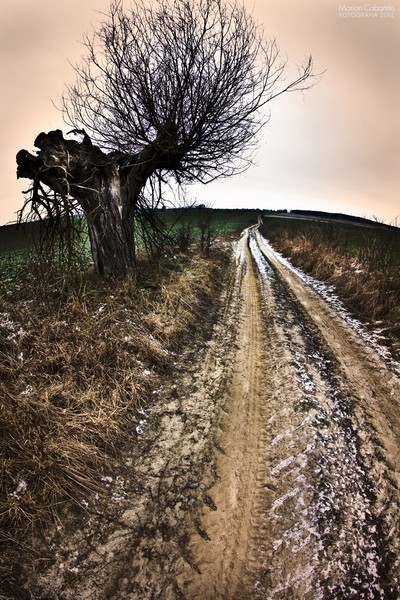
<point>368,288</point>
<point>78,357</point>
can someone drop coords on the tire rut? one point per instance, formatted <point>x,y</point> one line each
<point>223,559</point>
<point>305,501</point>
<point>352,521</point>
<point>270,467</point>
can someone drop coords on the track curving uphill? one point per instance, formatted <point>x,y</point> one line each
<point>269,466</point>
<point>305,502</point>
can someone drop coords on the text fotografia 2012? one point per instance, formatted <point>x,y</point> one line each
<point>366,11</point>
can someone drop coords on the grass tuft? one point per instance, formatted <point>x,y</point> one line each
<point>362,264</point>
<point>78,357</point>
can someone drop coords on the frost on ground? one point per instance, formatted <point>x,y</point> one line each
<point>326,467</point>
<point>10,330</point>
<point>267,466</point>
<point>373,338</point>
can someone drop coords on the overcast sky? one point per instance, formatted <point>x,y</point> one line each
<point>335,147</point>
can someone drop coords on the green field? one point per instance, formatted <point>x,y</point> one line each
<point>226,220</point>
<point>15,238</point>
<point>20,245</point>
<point>17,242</point>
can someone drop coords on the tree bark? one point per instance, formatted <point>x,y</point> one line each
<point>82,171</point>
<point>112,246</point>
<point>107,187</point>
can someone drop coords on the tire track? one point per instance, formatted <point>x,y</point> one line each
<point>349,499</point>
<point>305,503</point>
<point>224,559</point>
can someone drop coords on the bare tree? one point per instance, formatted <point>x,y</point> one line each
<point>207,227</point>
<point>169,91</point>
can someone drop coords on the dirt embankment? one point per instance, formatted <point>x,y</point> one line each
<point>269,468</point>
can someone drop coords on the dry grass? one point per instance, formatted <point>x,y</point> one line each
<point>77,359</point>
<point>368,283</point>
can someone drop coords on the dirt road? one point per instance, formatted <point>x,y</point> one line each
<point>308,462</point>
<point>268,469</point>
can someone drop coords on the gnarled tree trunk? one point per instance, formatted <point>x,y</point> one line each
<point>82,172</point>
<point>111,241</point>
<point>107,188</point>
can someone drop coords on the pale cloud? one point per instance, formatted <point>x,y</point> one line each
<point>335,147</point>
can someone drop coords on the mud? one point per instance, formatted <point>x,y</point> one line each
<point>268,465</point>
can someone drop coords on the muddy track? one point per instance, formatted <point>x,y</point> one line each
<point>223,558</point>
<point>268,466</point>
<point>307,502</point>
